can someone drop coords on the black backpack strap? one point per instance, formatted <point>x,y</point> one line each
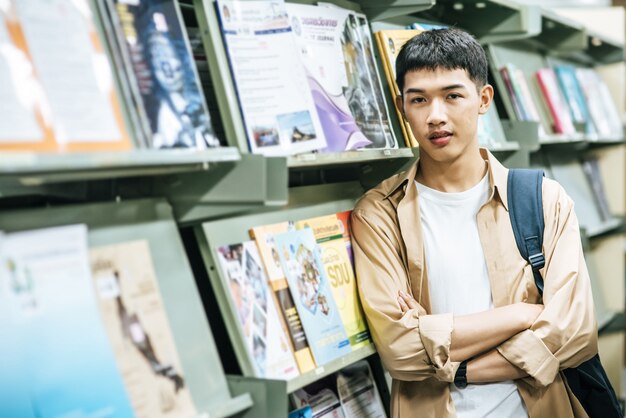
<point>526,213</point>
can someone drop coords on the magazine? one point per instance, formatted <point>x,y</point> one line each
<point>264,237</point>
<point>161,73</point>
<point>312,293</point>
<point>334,45</point>
<point>136,322</point>
<point>65,358</point>
<point>328,234</point>
<point>67,94</point>
<point>251,297</point>
<point>358,394</point>
<point>272,87</point>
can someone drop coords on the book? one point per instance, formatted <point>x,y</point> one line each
<point>64,353</point>
<point>566,75</point>
<point>290,319</point>
<point>490,132</point>
<point>132,310</point>
<point>57,100</point>
<point>321,397</point>
<point>159,71</point>
<point>512,93</point>
<point>562,122</point>
<point>334,45</point>
<point>602,109</point>
<point>274,95</point>
<point>389,43</point>
<point>334,255</point>
<point>591,167</point>
<point>304,412</point>
<point>255,311</point>
<point>301,261</point>
<point>358,394</point>
<point>346,231</point>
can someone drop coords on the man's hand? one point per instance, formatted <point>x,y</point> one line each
<point>407,302</point>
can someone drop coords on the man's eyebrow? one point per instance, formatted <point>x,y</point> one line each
<point>446,88</point>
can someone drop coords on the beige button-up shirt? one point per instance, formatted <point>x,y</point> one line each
<point>415,349</point>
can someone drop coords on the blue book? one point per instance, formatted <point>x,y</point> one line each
<point>300,258</point>
<point>566,74</point>
<point>305,412</point>
<point>64,354</point>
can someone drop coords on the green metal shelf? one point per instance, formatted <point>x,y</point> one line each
<point>347,157</point>
<point>37,168</point>
<point>232,407</point>
<point>386,9</point>
<point>330,368</point>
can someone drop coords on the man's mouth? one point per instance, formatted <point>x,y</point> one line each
<point>440,137</point>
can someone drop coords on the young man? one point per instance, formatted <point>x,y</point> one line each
<point>452,306</point>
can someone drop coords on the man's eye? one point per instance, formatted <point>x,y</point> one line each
<point>454,96</point>
<point>418,100</point>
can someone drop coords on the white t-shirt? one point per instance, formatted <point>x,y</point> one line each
<point>459,283</point>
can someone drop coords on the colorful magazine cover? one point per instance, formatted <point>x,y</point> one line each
<point>566,75</point>
<point>136,322</point>
<point>259,321</point>
<point>161,73</point>
<point>65,355</point>
<point>273,91</point>
<point>328,233</point>
<point>346,231</point>
<point>264,237</point>
<point>346,87</point>
<point>300,257</point>
<point>67,99</point>
<point>562,121</point>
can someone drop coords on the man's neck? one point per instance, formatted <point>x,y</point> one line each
<point>453,176</point>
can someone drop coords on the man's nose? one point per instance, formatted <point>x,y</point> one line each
<point>437,113</point>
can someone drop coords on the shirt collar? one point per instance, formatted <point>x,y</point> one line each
<point>497,178</point>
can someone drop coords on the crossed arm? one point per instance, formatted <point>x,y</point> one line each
<point>475,337</point>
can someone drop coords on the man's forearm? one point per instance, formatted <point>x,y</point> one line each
<point>492,367</point>
<point>477,333</point>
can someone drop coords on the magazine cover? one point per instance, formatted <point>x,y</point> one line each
<point>602,109</point>
<point>273,90</point>
<point>64,353</point>
<point>335,58</point>
<point>566,75</point>
<point>264,237</point>
<point>328,234</point>
<point>161,73</point>
<point>65,101</point>
<point>562,122</point>
<point>389,43</point>
<point>309,286</point>
<point>136,322</point>
<point>321,397</point>
<point>256,312</point>
<point>358,394</point>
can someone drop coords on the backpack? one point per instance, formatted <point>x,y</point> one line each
<point>588,381</point>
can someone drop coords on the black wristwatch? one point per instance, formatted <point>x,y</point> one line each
<point>460,378</point>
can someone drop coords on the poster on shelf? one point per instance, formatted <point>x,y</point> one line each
<point>72,98</point>
<point>252,300</point>
<point>136,322</point>
<point>274,94</point>
<point>160,73</point>
<point>336,48</point>
<point>64,353</point>
<point>301,261</point>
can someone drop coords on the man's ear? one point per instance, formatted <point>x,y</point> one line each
<point>486,96</point>
<point>400,105</point>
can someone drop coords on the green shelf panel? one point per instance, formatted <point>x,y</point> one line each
<point>152,220</point>
<point>602,50</point>
<point>386,9</point>
<point>347,157</point>
<point>609,227</point>
<point>489,20</point>
<point>330,368</point>
<point>615,324</point>
<point>231,407</point>
<point>559,34</point>
<point>30,168</point>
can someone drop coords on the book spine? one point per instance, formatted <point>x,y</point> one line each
<point>519,115</point>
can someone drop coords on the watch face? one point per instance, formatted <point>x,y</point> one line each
<point>460,383</point>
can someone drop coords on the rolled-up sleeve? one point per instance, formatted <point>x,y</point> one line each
<point>565,333</point>
<point>411,346</point>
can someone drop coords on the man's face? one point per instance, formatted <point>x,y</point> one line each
<point>442,108</point>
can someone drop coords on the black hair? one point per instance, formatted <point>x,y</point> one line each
<point>448,48</point>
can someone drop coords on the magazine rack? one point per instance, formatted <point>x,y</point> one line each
<point>151,220</point>
<point>211,235</point>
